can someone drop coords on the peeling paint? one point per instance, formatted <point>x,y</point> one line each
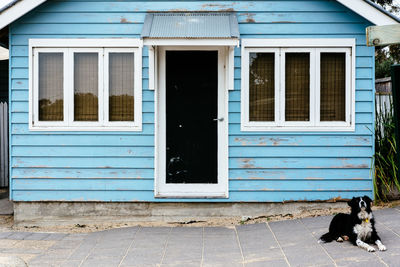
<point>250,17</point>
<point>214,5</point>
<point>124,20</point>
<point>40,166</point>
<point>363,139</point>
<point>169,10</point>
<point>227,10</point>
<point>352,166</point>
<point>246,141</point>
<point>283,21</point>
<point>277,141</point>
<point>247,163</point>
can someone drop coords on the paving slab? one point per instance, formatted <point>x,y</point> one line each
<point>361,263</point>
<point>264,263</point>
<point>391,258</point>
<point>143,257</point>
<point>55,236</point>
<point>306,256</point>
<point>183,264</point>
<point>19,235</point>
<point>4,235</point>
<point>282,243</point>
<point>101,262</point>
<point>256,236</point>
<point>12,261</point>
<point>37,236</point>
<point>70,264</point>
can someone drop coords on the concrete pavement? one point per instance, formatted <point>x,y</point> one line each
<point>283,243</point>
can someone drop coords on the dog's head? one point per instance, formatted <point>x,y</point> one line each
<point>360,206</point>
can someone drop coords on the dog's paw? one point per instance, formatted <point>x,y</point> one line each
<point>382,247</point>
<point>339,239</point>
<point>370,249</point>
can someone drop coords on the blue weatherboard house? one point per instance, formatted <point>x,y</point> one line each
<point>190,101</point>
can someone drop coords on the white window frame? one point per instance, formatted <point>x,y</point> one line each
<point>68,47</point>
<point>35,106</point>
<point>71,88</point>
<point>137,88</point>
<point>282,92</point>
<point>246,80</point>
<point>348,95</point>
<point>314,47</point>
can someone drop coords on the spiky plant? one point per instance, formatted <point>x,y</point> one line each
<point>385,180</point>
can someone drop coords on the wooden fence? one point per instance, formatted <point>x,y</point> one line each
<point>383,95</point>
<point>383,86</point>
<point>4,163</point>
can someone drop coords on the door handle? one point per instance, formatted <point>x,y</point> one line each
<point>219,119</point>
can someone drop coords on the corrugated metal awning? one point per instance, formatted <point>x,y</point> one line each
<point>190,25</point>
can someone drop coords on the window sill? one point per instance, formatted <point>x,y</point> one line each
<point>298,128</point>
<point>85,129</point>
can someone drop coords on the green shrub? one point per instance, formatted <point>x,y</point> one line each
<point>386,182</point>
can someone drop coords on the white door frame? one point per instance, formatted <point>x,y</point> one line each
<point>220,189</point>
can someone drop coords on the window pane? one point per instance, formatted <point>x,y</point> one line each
<point>121,86</point>
<point>86,90</point>
<point>51,89</point>
<point>297,90</point>
<point>333,86</point>
<point>262,86</point>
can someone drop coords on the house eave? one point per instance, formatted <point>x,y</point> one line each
<point>365,8</point>
<point>371,12</point>
<point>17,9</point>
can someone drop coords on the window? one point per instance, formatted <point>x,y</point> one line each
<point>85,88</point>
<point>297,85</point>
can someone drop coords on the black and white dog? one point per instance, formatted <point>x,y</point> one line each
<point>358,226</point>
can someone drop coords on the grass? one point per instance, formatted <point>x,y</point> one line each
<point>386,183</point>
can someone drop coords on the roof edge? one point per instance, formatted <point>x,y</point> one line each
<point>7,6</point>
<point>371,12</point>
<point>17,9</point>
<point>375,5</point>
<point>365,8</point>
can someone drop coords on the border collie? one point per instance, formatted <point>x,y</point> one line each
<point>358,226</point>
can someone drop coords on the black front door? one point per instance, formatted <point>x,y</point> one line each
<point>191,107</point>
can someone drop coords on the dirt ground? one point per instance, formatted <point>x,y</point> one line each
<point>6,222</point>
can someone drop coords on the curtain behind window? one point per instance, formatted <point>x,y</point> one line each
<point>297,90</point>
<point>262,87</point>
<point>333,87</point>
<point>51,88</point>
<point>121,86</point>
<point>86,88</point>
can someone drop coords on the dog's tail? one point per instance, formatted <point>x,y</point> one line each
<point>326,238</point>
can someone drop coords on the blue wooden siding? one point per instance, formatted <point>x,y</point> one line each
<point>119,166</point>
